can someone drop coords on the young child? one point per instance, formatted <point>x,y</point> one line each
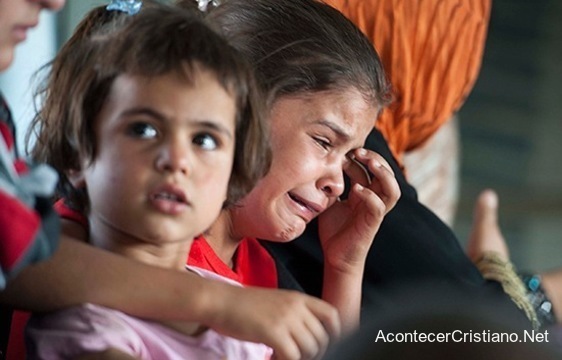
<point>161,131</point>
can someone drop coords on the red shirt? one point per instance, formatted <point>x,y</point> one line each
<point>253,265</point>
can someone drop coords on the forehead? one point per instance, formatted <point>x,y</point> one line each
<point>169,86</point>
<point>346,110</point>
<point>169,97</point>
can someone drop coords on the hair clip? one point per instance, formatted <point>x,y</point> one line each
<point>130,7</point>
<point>205,4</point>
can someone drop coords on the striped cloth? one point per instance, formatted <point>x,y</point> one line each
<point>28,226</point>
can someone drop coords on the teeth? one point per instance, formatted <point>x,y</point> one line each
<point>299,201</point>
<point>167,196</point>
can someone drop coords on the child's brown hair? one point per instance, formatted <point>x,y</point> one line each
<point>160,39</point>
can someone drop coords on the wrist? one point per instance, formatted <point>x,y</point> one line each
<point>348,271</point>
<point>212,303</point>
<point>342,289</point>
<point>345,266</point>
<point>207,306</point>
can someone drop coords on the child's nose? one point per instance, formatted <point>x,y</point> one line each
<point>332,183</point>
<point>174,157</point>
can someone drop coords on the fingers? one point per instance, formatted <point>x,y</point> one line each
<point>302,327</point>
<point>317,329</point>
<point>384,183</point>
<point>486,234</point>
<point>327,315</point>
<point>320,323</point>
<point>285,348</point>
<point>357,171</point>
<point>296,342</point>
<point>310,345</point>
<point>386,186</point>
<point>365,157</point>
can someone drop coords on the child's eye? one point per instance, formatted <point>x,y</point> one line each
<point>206,141</point>
<point>143,130</point>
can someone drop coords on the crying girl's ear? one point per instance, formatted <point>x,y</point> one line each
<point>76,178</point>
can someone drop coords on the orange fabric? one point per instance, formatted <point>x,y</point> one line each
<point>431,50</point>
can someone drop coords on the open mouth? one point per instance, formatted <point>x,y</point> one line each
<point>170,197</point>
<point>169,200</point>
<point>303,203</point>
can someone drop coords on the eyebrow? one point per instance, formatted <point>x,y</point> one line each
<point>207,124</point>
<point>340,132</point>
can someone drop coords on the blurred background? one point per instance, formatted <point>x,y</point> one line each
<point>507,135</point>
<point>511,130</point>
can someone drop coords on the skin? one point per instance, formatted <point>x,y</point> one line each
<point>181,153</point>
<point>83,273</point>
<point>79,273</point>
<point>17,17</point>
<point>551,281</point>
<point>296,316</point>
<point>164,294</point>
<point>313,138</point>
<point>486,236</point>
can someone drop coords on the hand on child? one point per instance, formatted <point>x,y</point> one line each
<point>348,227</point>
<point>295,325</point>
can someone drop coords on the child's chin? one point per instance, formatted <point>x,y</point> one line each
<point>290,233</point>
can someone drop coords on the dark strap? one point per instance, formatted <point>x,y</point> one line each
<point>5,323</point>
<point>7,121</point>
<point>5,312</point>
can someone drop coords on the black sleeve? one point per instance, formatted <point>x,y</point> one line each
<point>5,322</point>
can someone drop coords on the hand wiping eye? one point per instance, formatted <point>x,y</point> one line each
<point>357,171</point>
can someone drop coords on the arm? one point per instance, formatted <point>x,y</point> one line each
<point>347,230</point>
<point>79,273</point>
<point>486,237</point>
<point>342,289</point>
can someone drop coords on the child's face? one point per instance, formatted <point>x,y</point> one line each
<point>16,18</point>
<point>311,137</point>
<point>164,156</point>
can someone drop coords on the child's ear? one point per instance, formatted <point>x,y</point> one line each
<point>76,178</point>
